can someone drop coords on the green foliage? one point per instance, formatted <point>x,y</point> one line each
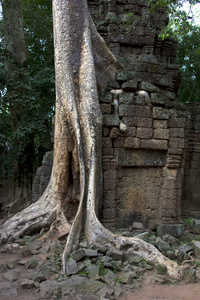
<point>188,221</point>
<point>102,270</point>
<point>182,28</point>
<point>129,19</point>
<point>162,270</point>
<point>27,98</point>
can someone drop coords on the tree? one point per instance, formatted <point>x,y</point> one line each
<point>189,60</point>
<point>70,202</point>
<point>27,89</point>
<point>182,28</point>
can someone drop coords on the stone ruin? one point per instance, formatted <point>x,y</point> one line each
<point>151,141</point>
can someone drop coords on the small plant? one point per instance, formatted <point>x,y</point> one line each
<point>162,270</point>
<point>102,270</point>
<point>118,280</point>
<point>129,19</point>
<point>188,221</point>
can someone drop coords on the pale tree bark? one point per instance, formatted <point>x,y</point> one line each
<point>82,61</point>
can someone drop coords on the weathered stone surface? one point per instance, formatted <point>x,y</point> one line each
<point>86,285</point>
<point>12,248</point>
<point>144,133</point>
<point>105,292</point>
<point>157,99</point>
<point>130,85</point>
<point>31,264</point>
<point>171,240</point>
<point>48,288</point>
<point>176,230</point>
<point>93,272</point>
<point>142,111</point>
<point>11,264</point>
<point>133,259</point>
<point>126,157</point>
<point>111,120</point>
<point>160,124</point>
<point>162,246</point>
<point>126,278</point>
<point>160,113</point>
<point>126,110</point>
<point>161,134</point>
<point>127,98</point>
<point>154,144</point>
<point>132,142</point>
<point>11,275</point>
<point>110,277</point>
<point>7,290</point>
<point>105,108</point>
<point>149,87</point>
<point>71,267</point>
<point>114,132</point>
<point>197,248</point>
<point>27,284</point>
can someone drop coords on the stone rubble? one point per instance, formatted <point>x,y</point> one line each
<point>94,273</point>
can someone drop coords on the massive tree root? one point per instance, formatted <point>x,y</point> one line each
<point>82,62</point>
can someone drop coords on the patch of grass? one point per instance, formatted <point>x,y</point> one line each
<point>102,270</point>
<point>162,270</point>
<point>118,280</point>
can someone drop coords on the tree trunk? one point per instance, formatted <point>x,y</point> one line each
<point>82,61</point>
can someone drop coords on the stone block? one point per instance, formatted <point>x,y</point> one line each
<point>127,98</point>
<point>160,113</point>
<point>153,68</point>
<point>149,87</point>
<point>142,111</point>
<point>145,133</point>
<point>131,142</point>
<point>109,199</point>
<point>157,99</point>
<point>105,108</point>
<point>126,110</point>
<point>137,121</point>
<point>175,151</point>
<point>154,144</point>
<point>106,97</point>
<point>106,131</point>
<point>106,142</point>
<point>130,85</point>
<point>108,213</point>
<point>161,134</point>
<point>161,124</point>
<point>119,142</point>
<point>110,120</point>
<point>113,84</point>
<point>123,76</point>
<point>176,230</point>
<point>177,132</point>
<point>107,152</point>
<point>114,132</point>
<point>131,131</point>
<point>176,122</point>
<point>140,158</point>
<point>176,143</point>
<point>197,248</point>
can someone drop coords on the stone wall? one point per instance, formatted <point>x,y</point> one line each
<point>143,147</point>
<point>191,186</point>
